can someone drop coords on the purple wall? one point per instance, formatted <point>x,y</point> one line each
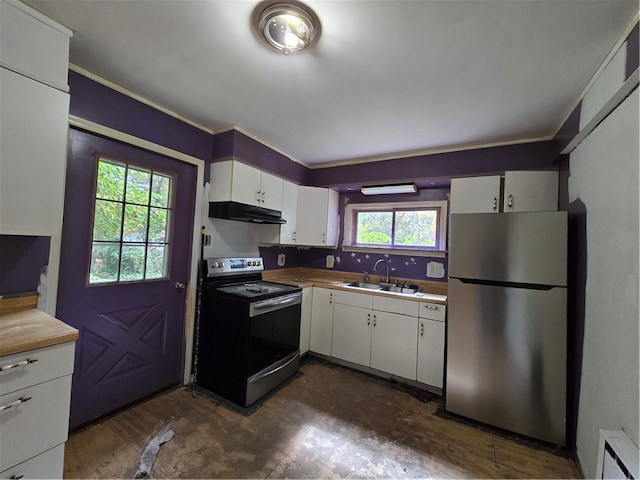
<point>424,168</point>
<point>21,260</point>
<point>403,266</point>
<point>93,101</point>
<point>233,143</point>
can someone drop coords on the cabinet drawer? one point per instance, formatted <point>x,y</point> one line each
<point>434,311</point>
<point>50,362</point>
<point>49,464</point>
<point>40,423</point>
<point>354,299</point>
<point>395,305</point>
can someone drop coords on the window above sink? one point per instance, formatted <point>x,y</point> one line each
<point>405,228</point>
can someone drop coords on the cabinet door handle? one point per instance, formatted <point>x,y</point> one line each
<point>330,298</point>
<point>495,203</point>
<point>374,320</point>
<point>422,329</point>
<point>510,200</point>
<point>263,196</point>
<point>23,363</point>
<point>18,402</point>
<point>431,307</point>
<point>368,319</point>
<point>324,237</point>
<point>16,477</point>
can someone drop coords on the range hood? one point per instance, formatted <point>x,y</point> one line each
<point>244,213</point>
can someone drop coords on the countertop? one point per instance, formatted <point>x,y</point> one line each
<point>432,292</point>
<point>30,329</point>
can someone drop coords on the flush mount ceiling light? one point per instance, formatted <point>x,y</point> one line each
<point>390,189</point>
<point>288,26</point>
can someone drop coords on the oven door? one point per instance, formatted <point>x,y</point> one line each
<point>274,330</point>
<point>274,343</point>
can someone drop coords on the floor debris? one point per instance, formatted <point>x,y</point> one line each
<point>150,452</point>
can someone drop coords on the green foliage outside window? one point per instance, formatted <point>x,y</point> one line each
<point>131,224</point>
<point>397,228</point>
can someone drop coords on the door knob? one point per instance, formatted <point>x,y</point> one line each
<point>180,285</point>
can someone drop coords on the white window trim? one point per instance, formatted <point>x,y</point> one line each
<point>442,240</point>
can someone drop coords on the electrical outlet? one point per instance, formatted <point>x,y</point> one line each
<point>435,270</point>
<point>330,261</point>
<point>281,259</point>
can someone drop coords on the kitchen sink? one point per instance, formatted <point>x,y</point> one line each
<point>370,286</point>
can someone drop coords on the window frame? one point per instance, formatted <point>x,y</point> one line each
<point>170,222</point>
<point>350,227</point>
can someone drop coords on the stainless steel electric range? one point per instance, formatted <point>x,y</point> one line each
<point>249,331</point>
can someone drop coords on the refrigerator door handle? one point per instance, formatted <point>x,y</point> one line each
<point>528,286</point>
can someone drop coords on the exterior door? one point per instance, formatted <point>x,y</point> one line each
<point>126,246</point>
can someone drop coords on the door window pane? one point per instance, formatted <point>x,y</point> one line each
<point>131,223</point>
<point>138,186</point>
<point>156,261</point>
<point>110,181</point>
<point>158,223</point>
<point>160,190</point>
<point>135,223</point>
<point>107,222</point>
<point>105,261</point>
<point>132,262</point>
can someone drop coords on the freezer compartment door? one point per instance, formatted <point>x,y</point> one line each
<point>522,247</point>
<point>506,358</point>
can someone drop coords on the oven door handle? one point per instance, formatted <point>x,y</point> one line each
<point>267,373</point>
<point>277,303</point>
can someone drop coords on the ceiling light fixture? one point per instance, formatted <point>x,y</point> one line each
<point>288,26</point>
<point>390,189</point>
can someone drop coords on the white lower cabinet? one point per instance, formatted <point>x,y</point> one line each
<point>374,338</point>
<point>35,392</point>
<point>321,321</point>
<point>393,344</point>
<point>431,341</point>
<point>39,466</point>
<point>400,337</point>
<point>352,334</point>
<point>305,320</point>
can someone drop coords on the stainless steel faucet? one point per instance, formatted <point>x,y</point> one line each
<point>382,260</point>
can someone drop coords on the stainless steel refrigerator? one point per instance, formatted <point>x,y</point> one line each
<point>507,321</point>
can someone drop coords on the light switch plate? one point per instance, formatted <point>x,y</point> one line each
<point>330,261</point>
<point>281,259</point>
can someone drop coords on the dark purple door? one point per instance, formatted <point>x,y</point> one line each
<point>118,282</point>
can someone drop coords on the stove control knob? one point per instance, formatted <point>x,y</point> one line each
<point>219,265</point>
<point>258,263</point>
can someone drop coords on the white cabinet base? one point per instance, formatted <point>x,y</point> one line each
<point>49,464</point>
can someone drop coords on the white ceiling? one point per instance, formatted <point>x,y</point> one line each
<point>385,76</point>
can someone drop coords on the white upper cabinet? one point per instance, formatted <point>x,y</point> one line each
<point>317,216</point>
<point>34,119</point>
<point>235,181</point>
<point>475,195</point>
<point>531,191</point>
<point>33,45</point>
<point>289,213</point>
<point>523,191</point>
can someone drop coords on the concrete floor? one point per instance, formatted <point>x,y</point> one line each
<point>330,422</point>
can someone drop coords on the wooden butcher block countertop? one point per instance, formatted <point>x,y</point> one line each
<point>25,328</point>
<point>432,292</point>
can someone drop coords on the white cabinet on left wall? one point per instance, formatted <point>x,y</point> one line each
<point>235,181</point>
<point>34,119</point>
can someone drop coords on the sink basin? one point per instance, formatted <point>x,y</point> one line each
<point>392,288</point>
<point>370,286</point>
